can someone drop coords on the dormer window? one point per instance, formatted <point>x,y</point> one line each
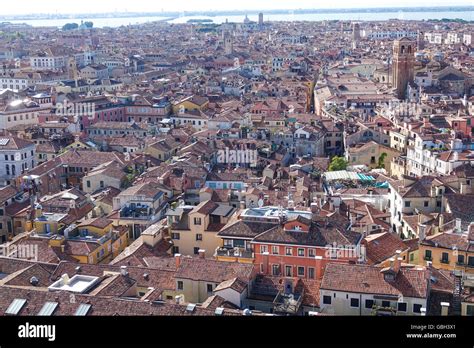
<point>389,276</point>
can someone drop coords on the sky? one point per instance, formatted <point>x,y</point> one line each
<point>102,6</point>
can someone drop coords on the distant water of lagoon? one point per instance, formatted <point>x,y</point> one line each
<point>355,16</point>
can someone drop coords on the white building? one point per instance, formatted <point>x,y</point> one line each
<point>21,112</point>
<point>16,156</point>
<point>406,197</point>
<point>434,38</point>
<point>13,82</point>
<point>467,39</point>
<point>44,61</point>
<point>427,157</point>
<point>398,34</point>
<point>453,38</point>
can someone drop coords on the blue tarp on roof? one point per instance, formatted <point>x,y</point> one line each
<point>364,177</point>
<point>381,184</point>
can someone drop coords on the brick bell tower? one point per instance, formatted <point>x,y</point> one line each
<point>403,65</point>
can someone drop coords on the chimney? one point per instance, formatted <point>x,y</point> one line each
<point>65,279</point>
<point>337,203</point>
<point>398,263</point>
<point>177,258</point>
<point>124,271</point>
<point>202,254</point>
<point>242,205</point>
<point>318,266</point>
<point>465,189</point>
<point>441,222</point>
<point>421,232</point>
<point>179,299</point>
<point>470,236</point>
<point>392,262</point>
<point>266,256</point>
<point>444,309</point>
<point>458,225</point>
<point>314,208</point>
<point>291,205</point>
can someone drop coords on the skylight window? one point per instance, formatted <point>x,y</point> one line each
<point>15,307</point>
<point>82,310</point>
<point>190,307</point>
<point>48,309</point>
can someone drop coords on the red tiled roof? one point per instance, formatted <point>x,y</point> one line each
<point>409,282</point>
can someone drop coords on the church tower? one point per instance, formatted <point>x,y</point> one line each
<point>228,44</point>
<point>403,65</point>
<point>420,41</point>
<point>72,70</point>
<point>356,32</point>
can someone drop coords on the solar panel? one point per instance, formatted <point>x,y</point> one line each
<point>48,309</point>
<point>15,307</point>
<point>82,310</point>
<point>4,141</point>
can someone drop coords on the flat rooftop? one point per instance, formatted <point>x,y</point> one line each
<point>274,213</point>
<point>77,284</point>
<point>51,217</point>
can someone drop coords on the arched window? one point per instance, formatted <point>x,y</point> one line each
<point>409,49</point>
<point>403,49</point>
<point>7,167</point>
<point>13,169</point>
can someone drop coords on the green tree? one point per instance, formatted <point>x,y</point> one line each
<point>338,163</point>
<point>70,26</point>
<point>381,164</point>
<point>89,24</point>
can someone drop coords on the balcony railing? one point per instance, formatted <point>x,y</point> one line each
<point>235,252</point>
<point>136,213</point>
<point>446,262</point>
<point>288,303</point>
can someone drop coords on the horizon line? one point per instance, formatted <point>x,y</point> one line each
<point>190,12</point>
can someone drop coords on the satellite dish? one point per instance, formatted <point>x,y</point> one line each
<point>260,202</point>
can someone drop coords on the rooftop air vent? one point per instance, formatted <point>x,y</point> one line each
<point>247,312</point>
